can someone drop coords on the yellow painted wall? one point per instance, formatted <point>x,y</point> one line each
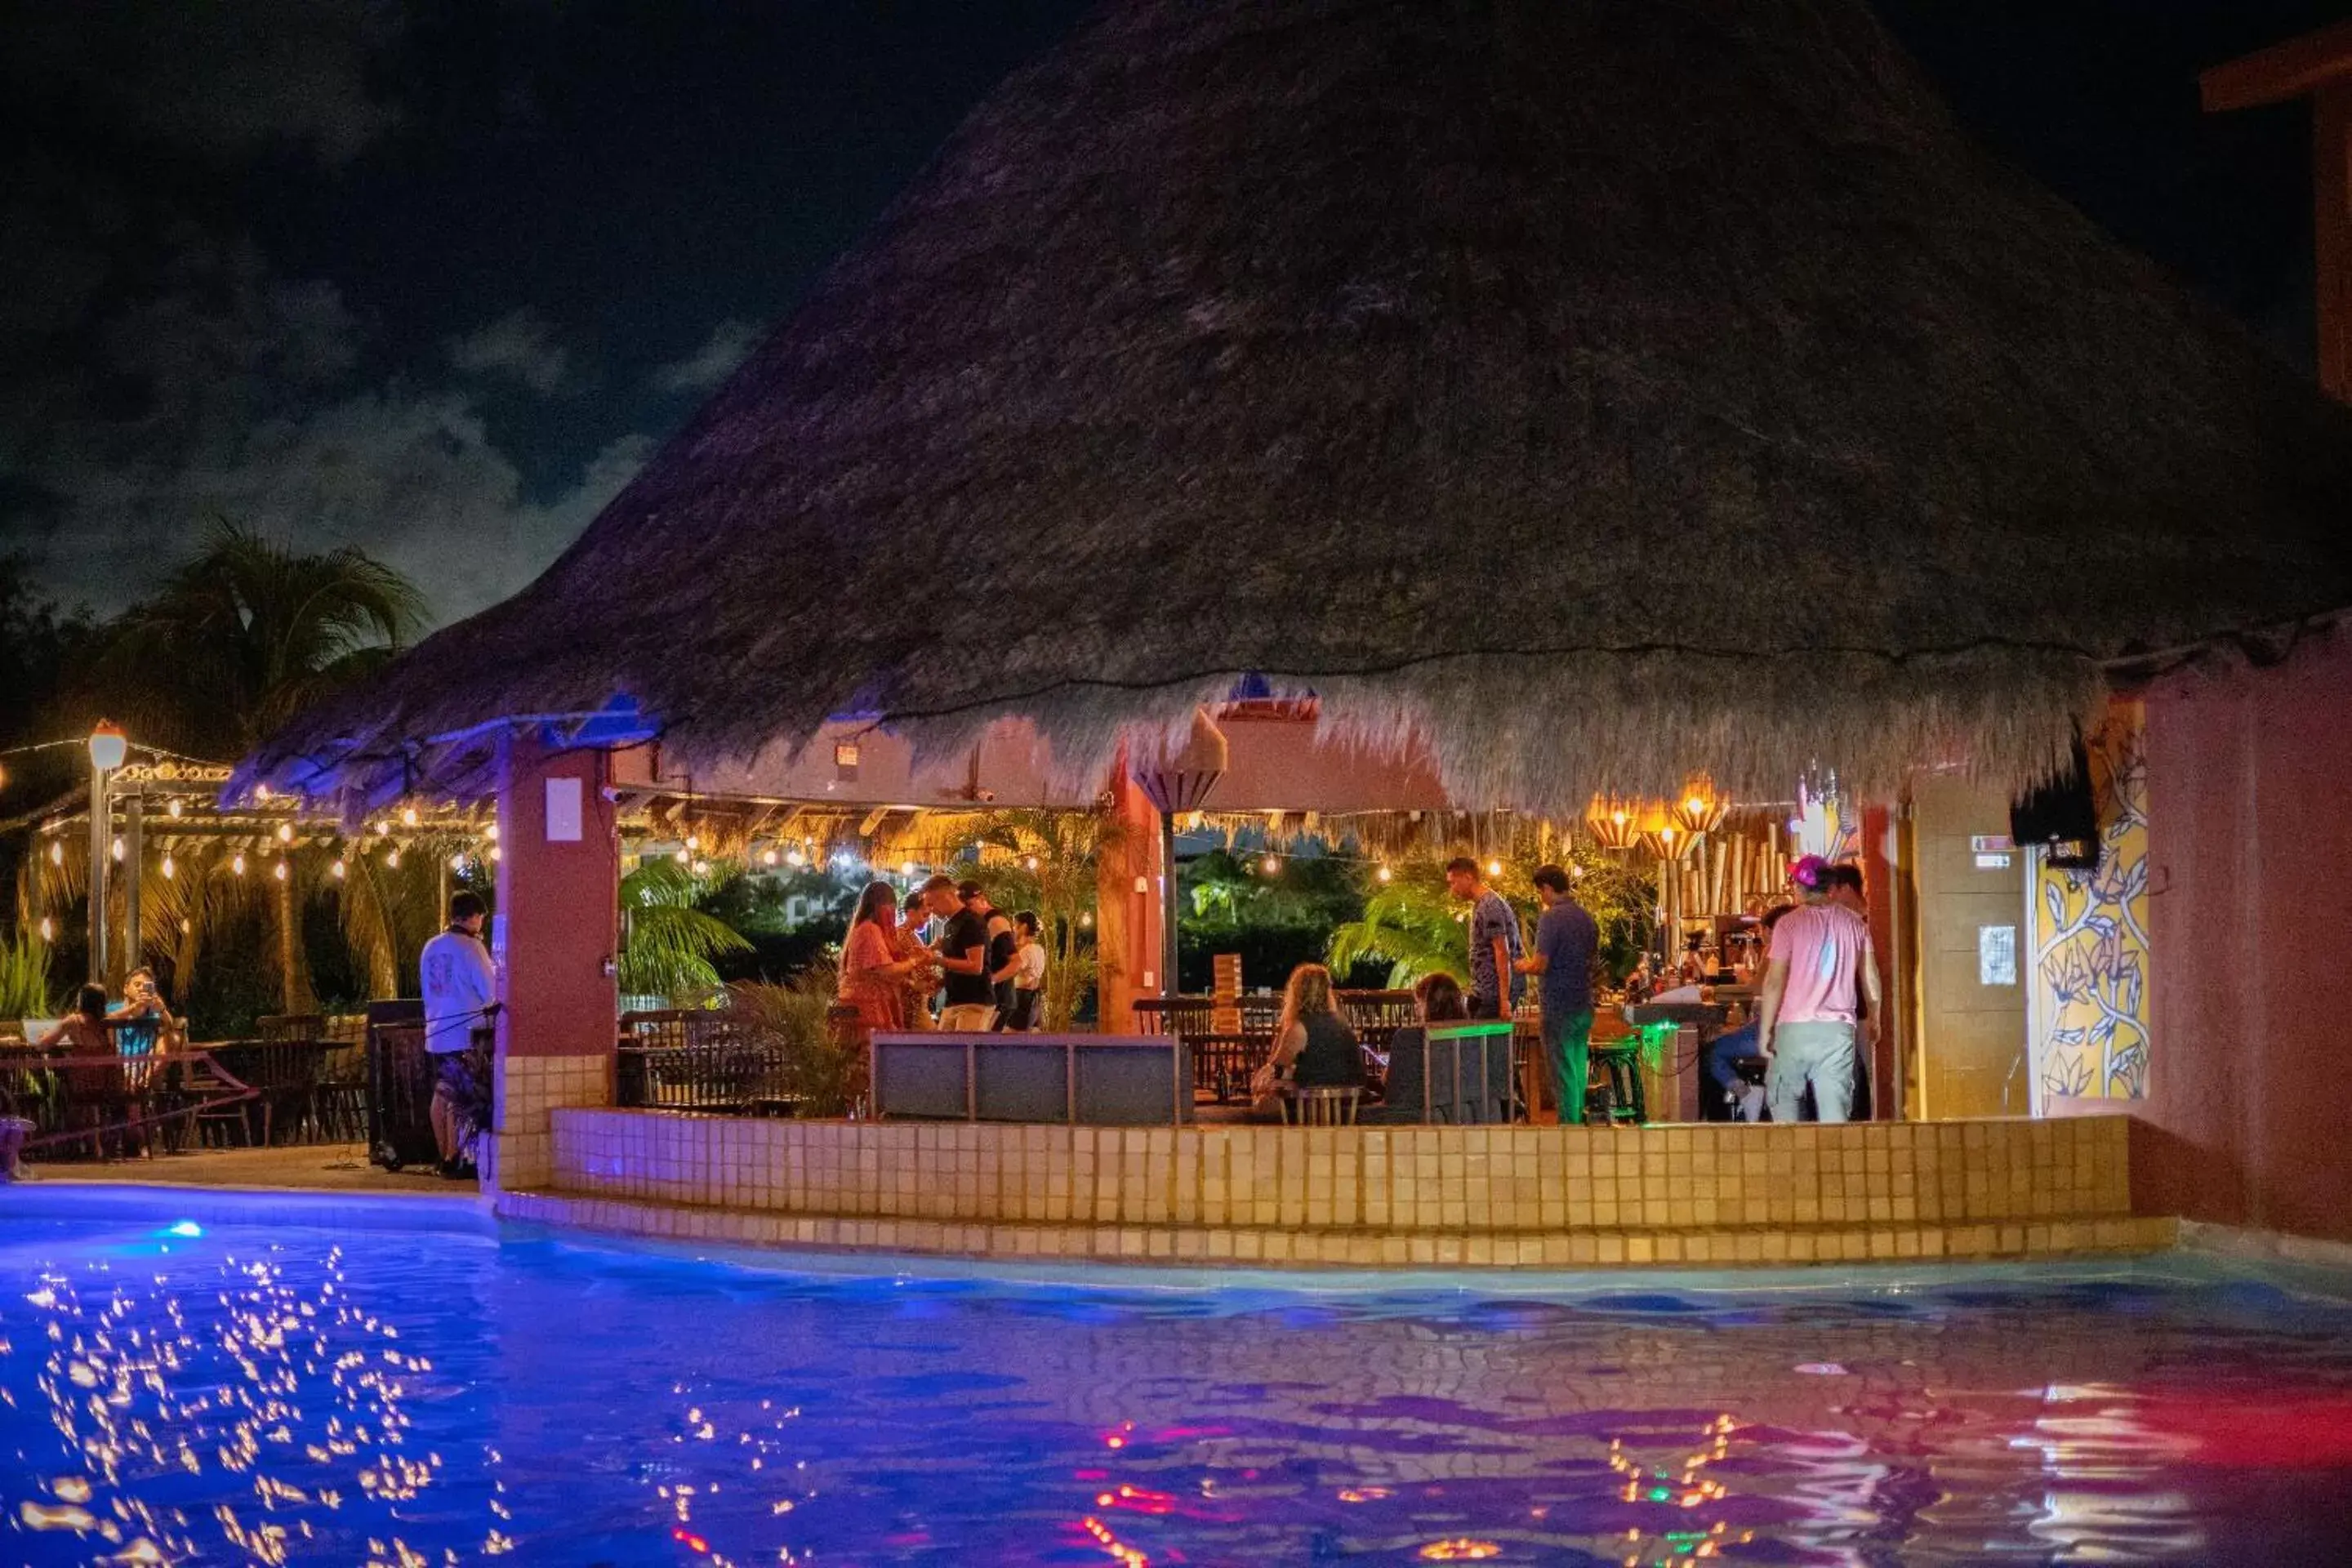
<point>2090,936</point>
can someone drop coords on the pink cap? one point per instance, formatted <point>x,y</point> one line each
<point>1808,873</point>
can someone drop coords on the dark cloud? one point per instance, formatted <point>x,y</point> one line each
<point>728,344</point>
<point>519,346</point>
<point>218,78</point>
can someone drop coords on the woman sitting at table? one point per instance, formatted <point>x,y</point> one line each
<point>82,1032</point>
<point>873,973</point>
<point>1313,1046</point>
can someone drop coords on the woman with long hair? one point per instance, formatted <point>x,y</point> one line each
<point>1313,1046</point>
<point>873,972</point>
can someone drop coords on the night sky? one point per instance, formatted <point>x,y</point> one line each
<point>433,280</point>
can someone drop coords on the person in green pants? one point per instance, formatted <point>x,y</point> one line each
<point>1566,941</point>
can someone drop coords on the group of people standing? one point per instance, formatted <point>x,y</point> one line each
<point>986,969</point>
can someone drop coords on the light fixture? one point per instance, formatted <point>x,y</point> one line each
<point>694,841</point>
<point>408,816</point>
<point>494,852</point>
<point>285,833</point>
<point>1493,868</point>
<point>261,791</point>
<point>490,832</point>
<point>795,859</point>
<point>1385,875</point>
<point>168,869</point>
<point>57,852</point>
<point>278,870</point>
<point>906,868</point>
<point>1271,866</point>
<point>186,926</point>
<point>338,868</point>
<point>1143,884</point>
<point>116,849</point>
<point>1029,862</point>
<point>457,862</point>
<point>48,931</point>
<point>701,867</point>
<point>768,858</point>
<point>237,864</point>
<point>393,859</point>
<point>1087,918</point>
<point>172,805</point>
<point>382,827</point>
<point>1700,810</point>
<point>680,856</point>
<point>1612,823</point>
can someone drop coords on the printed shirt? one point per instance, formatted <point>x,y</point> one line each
<point>1492,919</point>
<point>459,984</point>
<point>1823,946</point>
<point>1566,939</point>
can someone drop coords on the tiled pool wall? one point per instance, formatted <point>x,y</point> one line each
<point>1538,1196</point>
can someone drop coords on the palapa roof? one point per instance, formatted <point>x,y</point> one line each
<point>1588,390</point>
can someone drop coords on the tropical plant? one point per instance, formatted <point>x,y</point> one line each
<point>1416,925</point>
<point>823,1071</point>
<point>25,990</point>
<point>667,942</point>
<point>1413,924</point>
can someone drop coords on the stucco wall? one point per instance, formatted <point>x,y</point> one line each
<point>2250,854</point>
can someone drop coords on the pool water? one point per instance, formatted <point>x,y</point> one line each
<point>288,1395</point>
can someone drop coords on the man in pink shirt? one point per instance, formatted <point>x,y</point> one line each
<point>1821,967</point>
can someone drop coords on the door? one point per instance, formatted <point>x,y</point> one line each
<point>1971,891</point>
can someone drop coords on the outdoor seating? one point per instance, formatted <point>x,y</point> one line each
<point>1321,1105</point>
<point>1617,1096</point>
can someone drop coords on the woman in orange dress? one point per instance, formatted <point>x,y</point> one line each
<point>873,973</point>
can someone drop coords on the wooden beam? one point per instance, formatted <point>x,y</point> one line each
<point>2281,73</point>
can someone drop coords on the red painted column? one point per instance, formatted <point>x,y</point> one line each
<point>1879,858</point>
<point>556,934</point>
<point>1127,906</point>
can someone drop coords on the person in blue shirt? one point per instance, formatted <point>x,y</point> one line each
<point>1495,946</point>
<point>1566,941</point>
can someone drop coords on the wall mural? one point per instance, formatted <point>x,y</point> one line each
<point>2090,935</point>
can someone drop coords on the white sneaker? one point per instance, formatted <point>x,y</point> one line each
<point>1751,1104</point>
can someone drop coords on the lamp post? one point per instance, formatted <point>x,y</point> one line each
<point>107,748</point>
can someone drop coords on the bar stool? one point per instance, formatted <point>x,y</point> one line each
<point>1619,1068</point>
<point>1321,1105</point>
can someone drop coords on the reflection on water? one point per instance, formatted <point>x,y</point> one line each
<point>235,1396</point>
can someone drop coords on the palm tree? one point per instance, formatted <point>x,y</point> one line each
<point>669,943</point>
<point>238,639</point>
<point>1045,861</point>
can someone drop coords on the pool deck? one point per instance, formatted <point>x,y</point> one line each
<point>323,1168</point>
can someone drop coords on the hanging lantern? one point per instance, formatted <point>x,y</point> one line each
<point>1701,809</point>
<point>1614,824</point>
<point>1663,838</point>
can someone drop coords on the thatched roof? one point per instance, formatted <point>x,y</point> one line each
<point>1600,388</point>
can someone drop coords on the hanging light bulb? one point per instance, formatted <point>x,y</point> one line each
<point>701,867</point>
<point>1270,866</point>
<point>490,832</point>
<point>906,868</point>
<point>285,833</point>
<point>278,870</point>
<point>768,858</point>
<point>1029,862</point>
<point>694,841</point>
<point>237,863</point>
<point>1493,868</point>
<point>681,857</point>
<point>48,931</point>
<point>169,871</point>
<point>494,852</point>
<point>173,806</point>
<point>338,868</point>
<point>57,852</point>
<point>116,849</point>
<point>393,859</point>
<point>1086,920</point>
<point>382,827</point>
<point>408,816</point>
<point>796,858</point>
<point>1384,874</point>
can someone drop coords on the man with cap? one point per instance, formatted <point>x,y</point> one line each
<point>1820,974</point>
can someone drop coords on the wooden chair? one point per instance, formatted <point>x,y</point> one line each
<point>1321,1105</point>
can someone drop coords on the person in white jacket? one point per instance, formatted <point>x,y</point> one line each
<point>460,986</point>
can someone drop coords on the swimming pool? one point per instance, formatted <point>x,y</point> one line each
<point>238,1393</point>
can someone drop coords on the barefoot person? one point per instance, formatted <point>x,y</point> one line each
<point>460,995</point>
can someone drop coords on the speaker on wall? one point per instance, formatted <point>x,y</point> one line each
<point>2061,816</point>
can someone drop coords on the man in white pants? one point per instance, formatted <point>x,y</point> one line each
<point>1822,964</point>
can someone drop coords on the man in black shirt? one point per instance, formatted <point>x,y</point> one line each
<point>963,956</point>
<point>1002,947</point>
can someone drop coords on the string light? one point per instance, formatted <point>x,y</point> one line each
<point>393,859</point>
<point>338,868</point>
<point>168,869</point>
<point>795,859</point>
<point>681,857</point>
<point>238,864</point>
<point>57,852</point>
<point>694,841</point>
<point>1029,862</point>
<point>172,805</point>
<point>490,832</point>
<point>1385,875</point>
<point>768,858</point>
<point>285,833</point>
<point>1270,866</point>
<point>382,827</point>
<point>1493,868</point>
<point>278,870</point>
<point>48,931</point>
<point>186,926</point>
<point>494,852</point>
<point>701,867</point>
<point>408,816</point>
<point>261,791</point>
<point>906,868</point>
<point>117,849</point>
<point>457,862</point>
